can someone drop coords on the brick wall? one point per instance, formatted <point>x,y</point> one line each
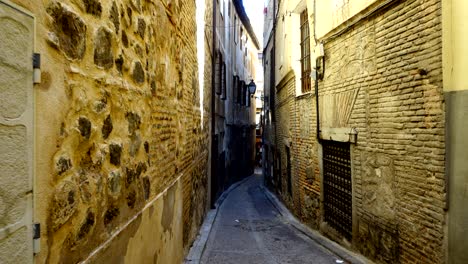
<point>306,160</point>
<point>383,77</point>
<point>394,62</point>
<point>286,116</point>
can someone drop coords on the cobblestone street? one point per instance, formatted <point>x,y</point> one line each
<point>249,229</point>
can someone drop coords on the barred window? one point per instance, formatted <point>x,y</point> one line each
<point>305,53</point>
<point>218,73</point>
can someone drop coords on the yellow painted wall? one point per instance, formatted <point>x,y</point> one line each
<point>455,44</point>
<point>333,13</point>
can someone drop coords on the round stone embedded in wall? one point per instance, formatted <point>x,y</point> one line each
<point>93,7</point>
<point>84,125</point>
<point>107,127</point>
<point>115,17</point>
<point>62,165</point>
<point>114,183</point>
<point>64,204</point>
<point>103,56</point>
<point>115,151</point>
<point>138,73</point>
<point>70,30</point>
<point>141,28</point>
<point>124,39</point>
<point>119,63</point>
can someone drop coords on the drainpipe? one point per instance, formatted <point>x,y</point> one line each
<point>317,109</point>
<point>214,150</point>
<point>273,91</point>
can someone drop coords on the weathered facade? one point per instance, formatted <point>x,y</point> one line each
<point>455,65</point>
<point>235,65</point>
<point>371,172</point>
<point>111,144</point>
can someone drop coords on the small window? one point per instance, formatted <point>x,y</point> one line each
<point>241,35</point>
<point>218,73</point>
<point>305,53</point>
<point>235,30</point>
<point>222,9</point>
<point>242,90</point>
<point>223,81</point>
<point>236,89</point>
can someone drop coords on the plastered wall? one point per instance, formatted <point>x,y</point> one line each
<point>455,64</point>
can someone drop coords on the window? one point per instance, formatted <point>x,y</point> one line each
<point>241,35</point>
<point>305,53</point>
<point>218,73</point>
<point>222,8</point>
<point>235,30</point>
<point>236,89</point>
<point>223,81</point>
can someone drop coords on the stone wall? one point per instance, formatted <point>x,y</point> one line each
<point>383,77</point>
<point>121,157</point>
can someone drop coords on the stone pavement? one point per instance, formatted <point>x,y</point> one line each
<point>251,227</point>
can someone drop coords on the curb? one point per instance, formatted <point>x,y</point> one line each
<point>343,253</point>
<point>198,246</point>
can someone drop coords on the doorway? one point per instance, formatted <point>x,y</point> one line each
<point>16,134</point>
<point>337,188</point>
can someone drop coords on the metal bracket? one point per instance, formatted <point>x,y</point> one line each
<point>36,238</point>
<point>36,68</point>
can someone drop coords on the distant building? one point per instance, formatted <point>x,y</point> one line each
<point>236,64</point>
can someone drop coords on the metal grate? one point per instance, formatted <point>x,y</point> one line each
<point>305,52</point>
<point>337,187</point>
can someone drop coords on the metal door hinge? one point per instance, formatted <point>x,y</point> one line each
<point>36,68</point>
<point>36,238</point>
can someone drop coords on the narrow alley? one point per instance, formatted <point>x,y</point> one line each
<point>249,228</point>
<point>233,131</point>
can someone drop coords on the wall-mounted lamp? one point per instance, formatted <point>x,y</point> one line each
<point>319,62</point>
<point>252,87</point>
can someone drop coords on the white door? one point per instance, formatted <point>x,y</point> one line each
<point>16,134</point>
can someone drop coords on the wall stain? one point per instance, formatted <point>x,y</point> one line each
<point>168,209</point>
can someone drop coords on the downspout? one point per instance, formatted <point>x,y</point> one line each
<point>213,112</point>
<point>317,108</point>
<point>273,91</point>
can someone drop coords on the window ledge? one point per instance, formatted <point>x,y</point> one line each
<point>306,94</point>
